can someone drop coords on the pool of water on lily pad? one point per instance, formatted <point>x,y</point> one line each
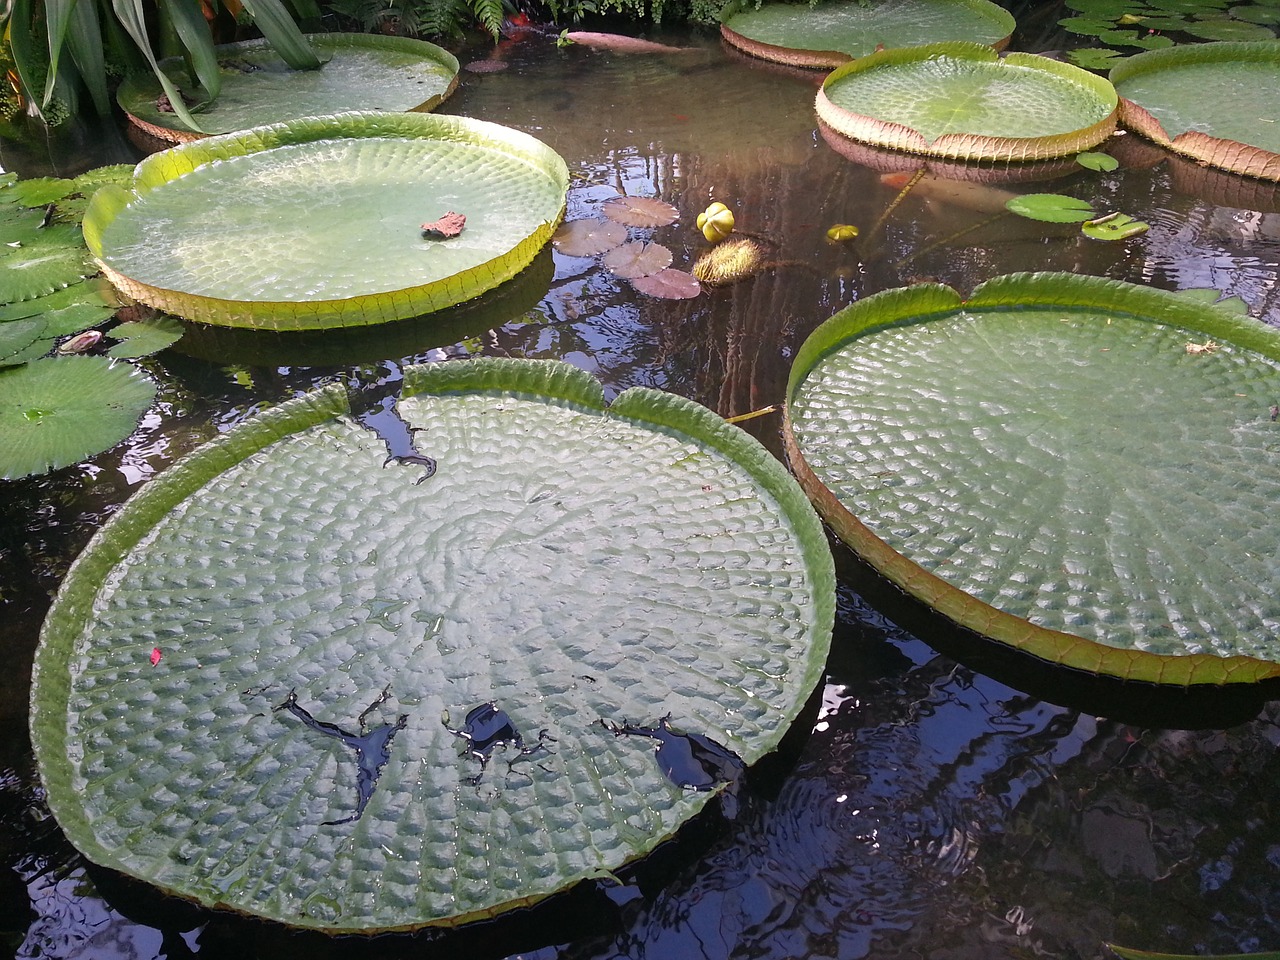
<point>941,803</point>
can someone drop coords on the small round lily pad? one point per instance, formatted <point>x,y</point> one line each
<point>1218,103</point>
<point>964,101</point>
<point>360,72</point>
<point>831,33</point>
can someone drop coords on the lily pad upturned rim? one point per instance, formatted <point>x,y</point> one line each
<point>1046,290</point>
<point>168,165</point>
<point>552,382</point>
<point>1232,155</point>
<point>328,44</point>
<point>811,58</point>
<point>965,146</point>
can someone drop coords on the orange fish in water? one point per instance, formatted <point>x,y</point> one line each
<point>957,193</point>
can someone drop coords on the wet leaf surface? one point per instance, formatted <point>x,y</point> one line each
<point>586,238</point>
<point>639,211</point>
<point>637,258</point>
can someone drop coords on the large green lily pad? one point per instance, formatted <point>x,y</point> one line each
<point>318,222</point>
<point>964,101</point>
<point>360,72</point>
<point>1218,103</point>
<point>569,562</point>
<point>1079,468</point>
<point>831,33</point>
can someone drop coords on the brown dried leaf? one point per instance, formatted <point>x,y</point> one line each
<point>639,211</point>
<point>635,258</point>
<point>450,225</point>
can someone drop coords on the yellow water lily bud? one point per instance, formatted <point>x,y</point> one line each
<point>841,232</point>
<point>716,222</point>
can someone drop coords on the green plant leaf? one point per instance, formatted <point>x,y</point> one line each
<point>1103,162</point>
<point>367,182</point>
<point>197,39</point>
<point>59,411</point>
<point>1087,26</point>
<point>1094,58</point>
<point>1128,953</point>
<point>1225,29</point>
<point>40,268</point>
<point>567,562</point>
<point>1050,207</point>
<point>17,335</point>
<point>1076,467</point>
<point>271,17</point>
<point>141,338</point>
<point>132,15</point>
<point>1114,226</point>
<point>85,43</point>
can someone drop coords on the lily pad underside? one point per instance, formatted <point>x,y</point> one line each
<point>318,222</point>
<point>360,72</point>
<point>831,33</point>
<point>565,563</point>
<point>1218,103</point>
<point>1079,468</point>
<point>963,101</point>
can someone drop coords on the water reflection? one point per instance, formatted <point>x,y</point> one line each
<point>933,811</point>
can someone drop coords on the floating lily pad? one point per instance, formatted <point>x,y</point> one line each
<point>1214,102</point>
<point>565,563</point>
<point>829,34</point>
<point>1051,465</point>
<point>1229,30</point>
<point>361,72</point>
<point>586,238</point>
<point>1050,207</point>
<point>669,284</point>
<point>639,211</point>
<point>56,260</point>
<point>1114,226</point>
<point>637,258</point>
<point>57,412</point>
<point>318,222</point>
<point>964,101</point>
<point>141,338</point>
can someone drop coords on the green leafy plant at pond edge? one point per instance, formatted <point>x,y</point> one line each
<point>1058,208</point>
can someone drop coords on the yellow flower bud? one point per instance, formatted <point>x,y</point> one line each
<point>841,232</point>
<point>716,222</point>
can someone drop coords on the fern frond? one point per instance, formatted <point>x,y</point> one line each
<point>489,13</point>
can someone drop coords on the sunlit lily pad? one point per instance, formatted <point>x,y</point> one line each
<point>831,33</point>
<point>1050,207</point>
<point>361,72</point>
<point>669,284</point>
<point>964,101</point>
<point>318,222</point>
<point>141,338</point>
<point>637,258</point>
<point>1079,468</point>
<point>55,260</point>
<point>1218,103</point>
<point>639,211</point>
<point>586,238</point>
<point>566,562</point>
<point>59,411</point>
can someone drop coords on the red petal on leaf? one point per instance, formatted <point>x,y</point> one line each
<point>450,225</point>
<point>155,655</point>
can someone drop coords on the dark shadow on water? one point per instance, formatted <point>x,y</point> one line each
<point>1200,707</point>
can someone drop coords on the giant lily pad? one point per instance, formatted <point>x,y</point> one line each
<point>1218,103</point>
<point>1079,468</point>
<point>566,563</point>
<point>318,222</point>
<point>831,33</point>
<point>361,72</point>
<point>964,101</point>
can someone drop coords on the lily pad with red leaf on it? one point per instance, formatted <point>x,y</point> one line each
<point>636,258</point>
<point>639,211</point>
<point>669,284</point>
<point>450,225</point>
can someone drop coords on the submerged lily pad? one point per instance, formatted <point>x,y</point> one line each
<point>360,72</point>
<point>1218,103</point>
<point>57,412</point>
<point>586,238</point>
<point>962,100</point>
<point>318,222</point>
<point>639,211</point>
<point>669,284</point>
<point>560,563</point>
<point>637,258</point>
<point>1059,463</point>
<point>829,34</point>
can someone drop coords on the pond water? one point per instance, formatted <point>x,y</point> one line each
<point>934,807</point>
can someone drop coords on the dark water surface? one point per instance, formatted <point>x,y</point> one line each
<point>939,808</point>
